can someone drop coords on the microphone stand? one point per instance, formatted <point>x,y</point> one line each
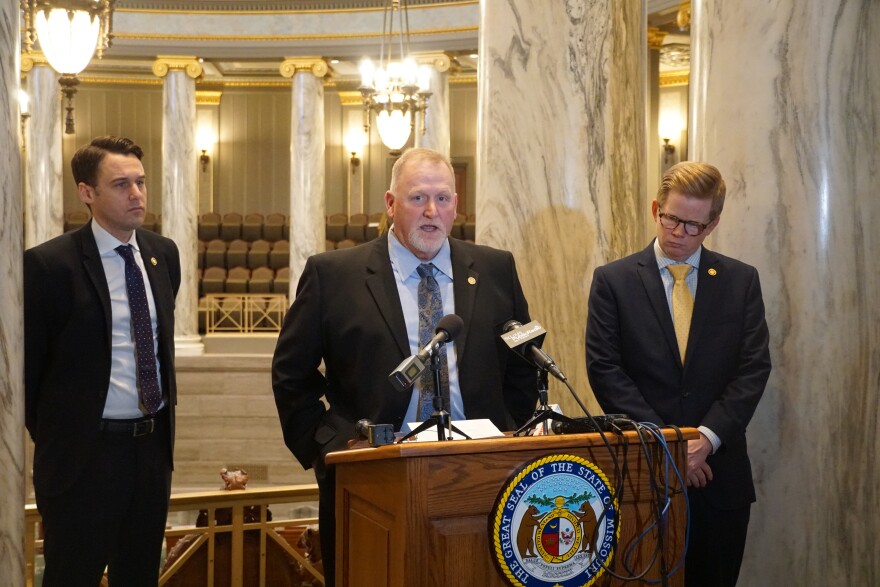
<point>440,417</point>
<point>543,413</point>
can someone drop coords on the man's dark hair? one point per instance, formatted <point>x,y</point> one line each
<point>87,159</point>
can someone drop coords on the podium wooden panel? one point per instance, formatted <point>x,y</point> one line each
<point>418,513</point>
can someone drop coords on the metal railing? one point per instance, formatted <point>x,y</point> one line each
<point>242,313</point>
<point>235,503</point>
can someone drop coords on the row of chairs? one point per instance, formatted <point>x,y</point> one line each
<point>276,226</point>
<point>240,280</point>
<point>241,253</point>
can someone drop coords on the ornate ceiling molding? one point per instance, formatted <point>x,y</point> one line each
<point>271,7</point>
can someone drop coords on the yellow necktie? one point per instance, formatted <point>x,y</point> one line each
<point>682,305</point>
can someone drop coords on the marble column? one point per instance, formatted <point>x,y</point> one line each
<point>306,161</point>
<point>12,434</point>
<point>44,207</point>
<point>786,102</point>
<point>180,190</point>
<point>436,117</point>
<point>561,155</point>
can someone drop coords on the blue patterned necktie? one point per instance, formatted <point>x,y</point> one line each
<point>430,312</point>
<point>145,355</point>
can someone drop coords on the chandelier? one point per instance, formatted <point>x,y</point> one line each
<point>394,89</point>
<point>70,32</point>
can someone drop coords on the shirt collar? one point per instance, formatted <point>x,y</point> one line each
<point>663,260</point>
<point>107,243</point>
<point>407,263</point>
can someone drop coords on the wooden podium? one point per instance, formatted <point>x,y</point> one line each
<point>419,513</point>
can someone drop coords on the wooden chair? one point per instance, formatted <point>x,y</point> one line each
<point>230,227</point>
<point>237,254</point>
<point>252,227</point>
<point>215,253</point>
<point>273,227</point>
<point>279,256</point>
<point>258,255</point>
<point>209,226</point>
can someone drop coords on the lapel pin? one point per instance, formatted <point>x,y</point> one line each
<point>712,272</point>
<point>472,280</point>
<point>155,262</point>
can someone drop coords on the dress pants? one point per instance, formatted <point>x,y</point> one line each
<point>326,477</point>
<point>716,544</point>
<point>113,515</point>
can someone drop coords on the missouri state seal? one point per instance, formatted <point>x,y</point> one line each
<point>554,524</point>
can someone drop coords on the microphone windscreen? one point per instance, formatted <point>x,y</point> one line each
<point>451,324</point>
<point>511,325</point>
<point>363,427</point>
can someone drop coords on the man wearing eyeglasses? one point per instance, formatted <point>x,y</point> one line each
<point>676,335</point>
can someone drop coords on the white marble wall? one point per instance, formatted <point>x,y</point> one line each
<point>306,171</point>
<point>786,102</point>
<point>437,134</point>
<point>180,200</point>
<point>44,208</point>
<point>12,459</point>
<point>560,155</point>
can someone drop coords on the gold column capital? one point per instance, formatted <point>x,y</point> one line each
<point>350,98</point>
<point>208,97</point>
<point>31,58</point>
<point>439,60</point>
<point>318,66</point>
<point>165,63</point>
<point>655,38</point>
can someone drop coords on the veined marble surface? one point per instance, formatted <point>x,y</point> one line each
<point>306,173</point>
<point>794,130</point>
<point>180,201</point>
<point>44,208</point>
<point>12,459</point>
<point>560,155</point>
<point>437,134</point>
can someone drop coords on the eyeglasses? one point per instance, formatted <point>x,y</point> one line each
<point>691,227</point>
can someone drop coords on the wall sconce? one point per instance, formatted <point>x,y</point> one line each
<point>669,128</point>
<point>204,160</point>
<point>354,144</point>
<point>24,102</point>
<point>669,150</point>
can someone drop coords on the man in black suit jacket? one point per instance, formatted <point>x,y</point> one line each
<point>102,461</point>
<point>636,367</point>
<point>351,312</point>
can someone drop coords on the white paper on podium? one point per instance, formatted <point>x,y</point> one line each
<point>482,428</point>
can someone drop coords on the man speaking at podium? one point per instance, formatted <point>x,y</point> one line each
<point>364,310</point>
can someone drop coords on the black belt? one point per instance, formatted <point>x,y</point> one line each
<point>137,427</point>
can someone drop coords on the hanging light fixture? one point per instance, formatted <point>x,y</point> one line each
<point>394,89</point>
<point>70,32</point>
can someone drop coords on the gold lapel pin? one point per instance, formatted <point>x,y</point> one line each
<point>155,262</point>
<point>712,272</point>
<point>472,280</point>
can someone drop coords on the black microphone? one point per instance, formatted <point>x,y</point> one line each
<point>376,434</point>
<point>526,341</point>
<point>405,374</point>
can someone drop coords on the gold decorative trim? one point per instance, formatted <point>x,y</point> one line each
<point>166,63</point>
<point>269,38</point>
<point>674,78</point>
<point>463,79</point>
<point>439,60</point>
<point>683,17</point>
<point>316,65</point>
<point>353,98</point>
<point>120,81</point>
<point>271,11</point>
<point>655,37</point>
<point>208,97</point>
<point>32,58</point>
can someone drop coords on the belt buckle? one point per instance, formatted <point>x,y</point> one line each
<point>144,427</point>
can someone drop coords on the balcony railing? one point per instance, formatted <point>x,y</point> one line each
<point>242,313</point>
<point>237,507</point>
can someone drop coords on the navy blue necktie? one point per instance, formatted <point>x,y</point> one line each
<point>430,312</point>
<point>142,331</point>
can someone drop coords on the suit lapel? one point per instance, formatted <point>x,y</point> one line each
<point>380,282</point>
<point>94,268</point>
<point>159,284</point>
<point>650,276</point>
<point>709,280</point>
<point>465,282</point>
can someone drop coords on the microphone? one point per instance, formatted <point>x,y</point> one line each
<point>376,434</point>
<point>405,374</point>
<point>526,341</point>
